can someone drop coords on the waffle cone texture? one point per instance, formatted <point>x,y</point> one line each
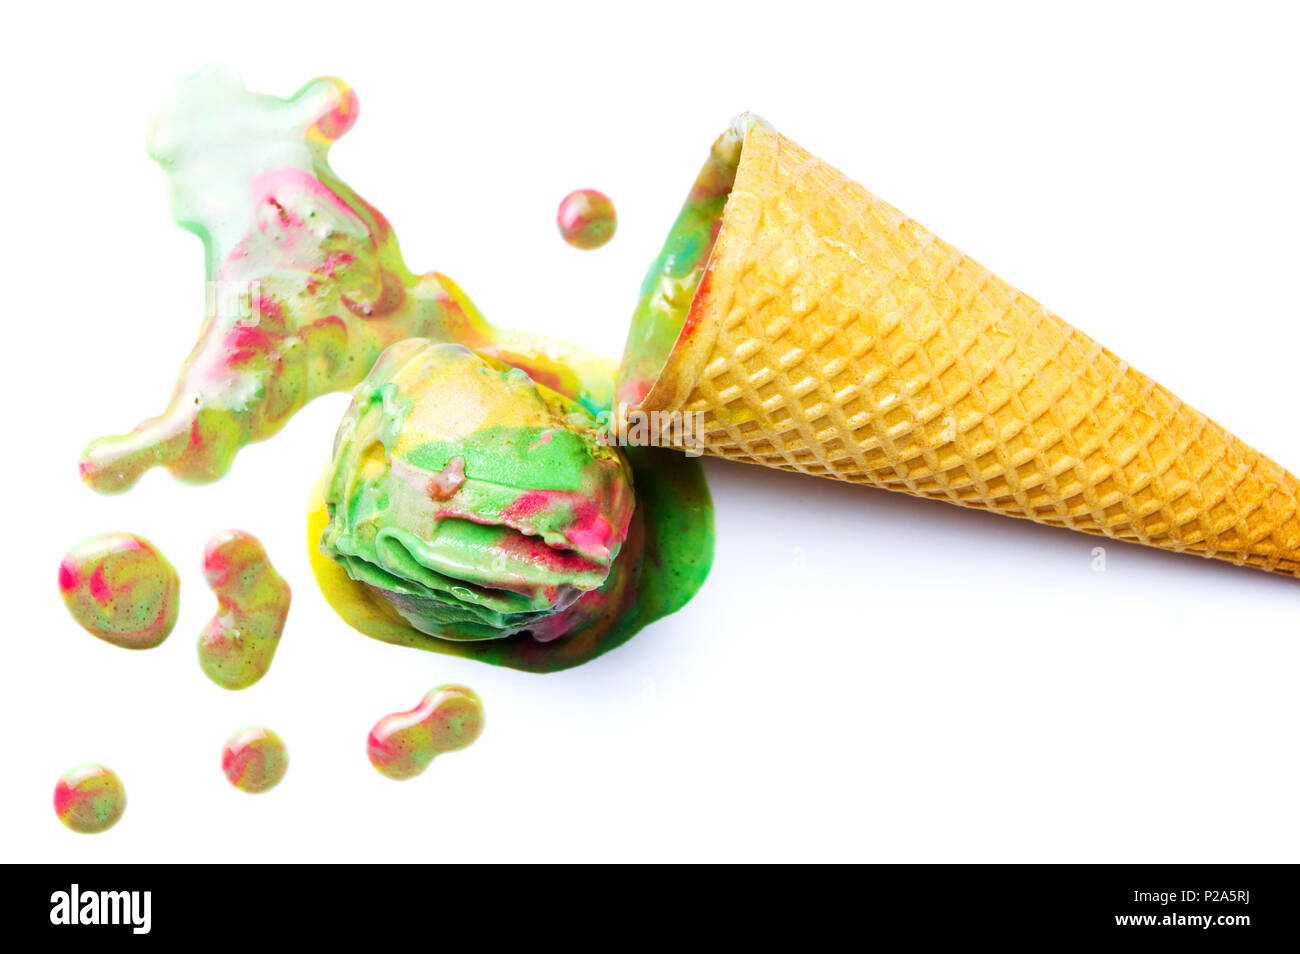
<point>832,335</point>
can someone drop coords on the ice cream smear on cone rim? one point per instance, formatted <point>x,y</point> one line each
<point>810,326</point>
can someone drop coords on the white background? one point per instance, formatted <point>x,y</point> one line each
<point>864,676</point>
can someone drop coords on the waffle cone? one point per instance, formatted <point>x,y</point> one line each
<point>832,335</point>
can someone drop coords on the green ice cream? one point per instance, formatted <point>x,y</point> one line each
<point>670,286</point>
<point>477,503</point>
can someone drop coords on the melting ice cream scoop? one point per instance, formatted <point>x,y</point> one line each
<point>475,501</point>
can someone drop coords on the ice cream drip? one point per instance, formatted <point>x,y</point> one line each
<point>254,760</point>
<point>118,587</point>
<point>448,718</point>
<point>89,799</point>
<point>586,218</point>
<point>238,644</point>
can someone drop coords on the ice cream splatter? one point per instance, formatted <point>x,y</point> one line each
<point>403,744</point>
<point>306,282</point>
<point>586,218</point>
<point>89,799</point>
<point>118,587</point>
<point>239,642</point>
<point>255,759</point>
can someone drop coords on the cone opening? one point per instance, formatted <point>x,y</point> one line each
<point>673,281</point>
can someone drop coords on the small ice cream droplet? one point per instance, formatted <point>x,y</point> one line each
<point>89,799</point>
<point>118,587</point>
<point>255,759</point>
<point>586,218</point>
<point>238,644</point>
<point>403,744</point>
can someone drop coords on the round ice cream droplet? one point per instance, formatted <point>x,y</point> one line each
<point>117,586</point>
<point>403,744</point>
<point>255,759</point>
<point>586,218</point>
<point>89,799</point>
